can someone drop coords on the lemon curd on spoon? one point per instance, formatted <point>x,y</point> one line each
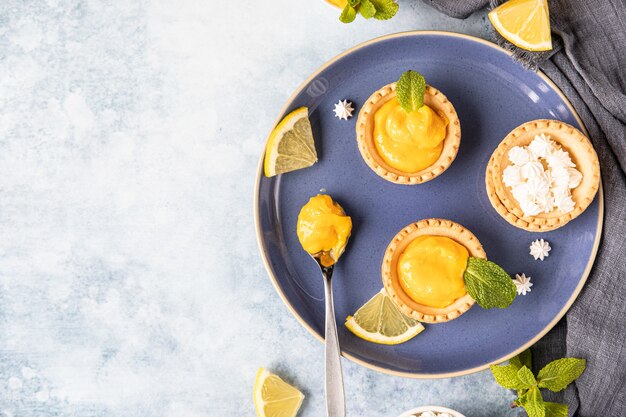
<point>430,270</point>
<point>323,226</point>
<point>409,141</point>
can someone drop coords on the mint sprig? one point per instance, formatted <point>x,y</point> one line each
<point>410,90</point>
<point>523,359</point>
<point>526,376</point>
<point>367,9</point>
<point>488,284</point>
<point>555,376</point>
<point>385,9</point>
<point>507,377</point>
<point>377,9</point>
<point>555,409</point>
<point>532,401</point>
<point>348,14</point>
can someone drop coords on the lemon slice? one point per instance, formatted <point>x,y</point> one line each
<point>290,145</point>
<point>273,397</point>
<point>524,23</point>
<point>380,321</point>
<point>338,3</point>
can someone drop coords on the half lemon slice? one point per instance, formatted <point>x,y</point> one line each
<point>273,397</point>
<point>338,3</point>
<point>524,23</point>
<point>290,145</point>
<point>380,321</point>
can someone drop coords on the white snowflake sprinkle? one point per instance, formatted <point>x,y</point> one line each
<point>343,109</point>
<point>539,249</point>
<point>522,283</point>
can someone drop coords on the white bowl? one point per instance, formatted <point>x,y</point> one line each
<point>433,408</point>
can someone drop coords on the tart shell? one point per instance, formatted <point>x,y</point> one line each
<point>580,150</point>
<point>436,227</point>
<point>365,136</point>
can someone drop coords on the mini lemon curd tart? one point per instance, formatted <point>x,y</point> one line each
<point>423,269</point>
<point>408,137</point>
<point>544,174</point>
<point>323,228</point>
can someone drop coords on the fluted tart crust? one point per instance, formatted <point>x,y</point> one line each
<point>365,136</point>
<point>435,227</point>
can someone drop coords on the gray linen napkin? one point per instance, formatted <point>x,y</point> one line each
<point>589,65</point>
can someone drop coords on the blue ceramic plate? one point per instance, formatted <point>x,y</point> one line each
<point>492,95</point>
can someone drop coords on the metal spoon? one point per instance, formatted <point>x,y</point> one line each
<point>335,399</point>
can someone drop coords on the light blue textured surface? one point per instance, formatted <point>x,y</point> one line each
<point>130,279</point>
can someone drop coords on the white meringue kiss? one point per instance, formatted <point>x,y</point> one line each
<point>545,203</point>
<point>541,146</point>
<point>532,169</point>
<point>538,189</point>
<point>559,158</point>
<point>520,192</point>
<point>560,177</point>
<point>530,208</point>
<point>565,203</point>
<point>519,155</point>
<point>575,177</point>
<point>512,175</point>
<point>560,191</point>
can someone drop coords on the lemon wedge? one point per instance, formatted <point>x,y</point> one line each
<point>380,321</point>
<point>524,23</point>
<point>273,397</point>
<point>290,145</point>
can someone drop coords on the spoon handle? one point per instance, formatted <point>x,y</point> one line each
<point>335,400</point>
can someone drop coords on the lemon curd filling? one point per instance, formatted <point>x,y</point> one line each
<point>408,142</point>
<point>430,270</point>
<point>323,227</point>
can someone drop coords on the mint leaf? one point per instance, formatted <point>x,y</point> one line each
<point>385,9</point>
<point>367,9</point>
<point>488,284</point>
<point>532,402</point>
<point>378,9</point>
<point>410,90</point>
<point>348,14</point>
<point>558,374</point>
<point>556,409</point>
<point>523,359</point>
<point>506,376</point>
<point>526,376</point>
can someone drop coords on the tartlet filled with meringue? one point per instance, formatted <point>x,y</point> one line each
<point>544,174</point>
